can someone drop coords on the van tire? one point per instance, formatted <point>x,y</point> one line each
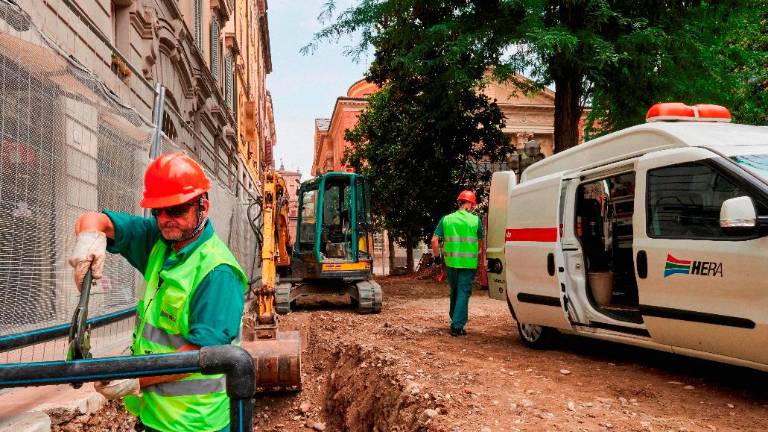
<point>536,336</point>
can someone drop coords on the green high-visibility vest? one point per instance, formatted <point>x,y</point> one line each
<point>460,242</point>
<point>198,402</point>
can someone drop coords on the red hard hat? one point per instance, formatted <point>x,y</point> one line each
<point>173,179</point>
<point>468,196</point>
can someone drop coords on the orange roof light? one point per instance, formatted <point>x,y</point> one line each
<point>676,111</point>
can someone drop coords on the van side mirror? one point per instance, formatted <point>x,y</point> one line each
<point>738,214</point>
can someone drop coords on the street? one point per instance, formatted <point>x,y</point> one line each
<point>400,370</point>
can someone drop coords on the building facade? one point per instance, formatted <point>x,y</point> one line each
<point>79,80</point>
<point>329,133</point>
<point>212,56</point>
<point>292,183</point>
<point>529,125</point>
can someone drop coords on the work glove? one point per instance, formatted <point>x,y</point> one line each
<point>437,260</point>
<point>90,251</point>
<point>117,389</point>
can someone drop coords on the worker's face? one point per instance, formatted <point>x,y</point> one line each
<point>179,221</point>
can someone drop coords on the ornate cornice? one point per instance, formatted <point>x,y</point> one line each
<point>221,9</point>
<point>141,18</point>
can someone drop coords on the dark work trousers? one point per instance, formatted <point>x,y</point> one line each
<point>460,280</point>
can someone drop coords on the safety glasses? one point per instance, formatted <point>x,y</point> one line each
<point>175,211</point>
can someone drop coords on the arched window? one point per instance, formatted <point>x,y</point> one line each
<point>215,48</point>
<point>198,14</point>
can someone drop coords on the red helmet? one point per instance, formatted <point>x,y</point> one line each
<point>468,196</point>
<point>173,179</point>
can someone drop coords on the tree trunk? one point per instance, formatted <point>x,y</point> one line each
<point>568,109</point>
<point>391,250</point>
<point>409,253</point>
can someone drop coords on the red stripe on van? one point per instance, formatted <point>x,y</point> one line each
<point>545,235</point>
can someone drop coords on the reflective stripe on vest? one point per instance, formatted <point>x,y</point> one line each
<point>158,336</point>
<point>197,402</point>
<point>461,239</point>
<point>460,254</point>
<point>460,242</point>
<point>185,388</point>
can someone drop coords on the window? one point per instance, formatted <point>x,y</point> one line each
<point>683,201</point>
<point>228,87</point>
<point>169,129</point>
<point>198,12</point>
<point>215,48</point>
<point>121,27</point>
<point>307,230</point>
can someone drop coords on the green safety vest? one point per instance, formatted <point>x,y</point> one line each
<point>460,242</point>
<point>198,402</point>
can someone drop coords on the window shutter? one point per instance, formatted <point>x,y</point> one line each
<point>215,48</point>
<point>228,77</point>
<point>198,12</point>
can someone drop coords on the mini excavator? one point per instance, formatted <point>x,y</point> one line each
<point>332,254</point>
<point>332,251</point>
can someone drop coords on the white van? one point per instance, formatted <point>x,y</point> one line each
<point>654,236</point>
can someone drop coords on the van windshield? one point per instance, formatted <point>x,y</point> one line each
<point>756,163</point>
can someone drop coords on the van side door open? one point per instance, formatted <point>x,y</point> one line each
<point>700,287</point>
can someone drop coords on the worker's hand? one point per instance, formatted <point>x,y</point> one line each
<point>90,251</point>
<point>117,389</point>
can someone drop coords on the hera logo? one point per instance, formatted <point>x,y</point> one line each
<point>675,266</point>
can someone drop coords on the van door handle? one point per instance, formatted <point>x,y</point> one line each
<point>551,264</point>
<point>642,264</point>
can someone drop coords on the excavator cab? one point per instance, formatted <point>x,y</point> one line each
<point>332,251</point>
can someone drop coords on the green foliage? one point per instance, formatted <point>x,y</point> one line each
<point>713,52</point>
<point>420,138</point>
<point>620,56</point>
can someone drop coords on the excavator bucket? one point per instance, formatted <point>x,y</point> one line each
<point>277,361</point>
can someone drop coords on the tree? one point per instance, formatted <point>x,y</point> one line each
<point>422,135</point>
<point>417,163</point>
<point>616,54</point>
<point>711,53</point>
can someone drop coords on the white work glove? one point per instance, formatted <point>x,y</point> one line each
<point>90,250</point>
<point>117,389</point>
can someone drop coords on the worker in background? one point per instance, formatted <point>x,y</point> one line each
<point>462,236</point>
<point>194,293</point>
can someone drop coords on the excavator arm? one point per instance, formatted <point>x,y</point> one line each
<point>274,249</point>
<point>276,354</point>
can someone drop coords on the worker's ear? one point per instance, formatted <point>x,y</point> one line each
<point>205,204</point>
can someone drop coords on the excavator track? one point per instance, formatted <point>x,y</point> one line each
<point>368,297</point>
<point>283,297</point>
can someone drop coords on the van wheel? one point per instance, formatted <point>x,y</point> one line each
<point>535,336</point>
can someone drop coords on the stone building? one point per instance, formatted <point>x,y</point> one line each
<point>248,59</point>
<point>212,56</point>
<point>78,80</point>
<point>529,122</point>
<point>292,183</point>
<point>329,133</point>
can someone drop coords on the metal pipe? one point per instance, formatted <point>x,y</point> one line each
<point>21,340</point>
<point>157,119</point>
<point>230,360</point>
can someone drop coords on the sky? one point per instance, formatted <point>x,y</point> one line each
<point>304,87</point>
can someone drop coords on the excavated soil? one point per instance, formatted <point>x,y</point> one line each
<point>112,417</point>
<point>400,370</point>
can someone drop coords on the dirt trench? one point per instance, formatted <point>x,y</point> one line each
<point>400,371</point>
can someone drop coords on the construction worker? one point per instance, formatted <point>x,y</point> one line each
<point>462,236</point>
<point>194,293</point>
